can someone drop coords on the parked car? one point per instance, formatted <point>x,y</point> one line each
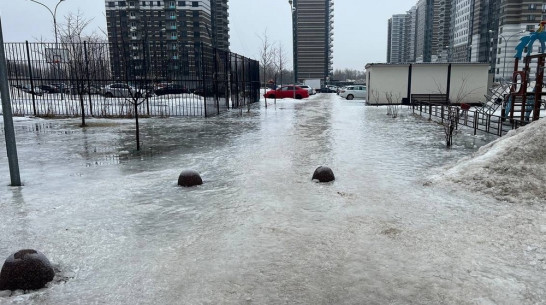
<point>28,89</point>
<point>49,88</point>
<point>329,89</point>
<point>288,92</point>
<point>200,91</point>
<point>93,89</point>
<point>171,89</point>
<point>122,90</point>
<point>351,92</point>
<point>309,89</point>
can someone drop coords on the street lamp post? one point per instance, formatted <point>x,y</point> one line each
<point>505,47</point>
<point>294,45</point>
<point>54,15</point>
<point>55,54</point>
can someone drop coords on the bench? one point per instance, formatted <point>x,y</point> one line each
<point>429,98</point>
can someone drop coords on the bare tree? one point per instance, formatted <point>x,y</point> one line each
<point>73,41</point>
<point>393,106</point>
<point>450,113</point>
<point>267,56</point>
<point>281,60</point>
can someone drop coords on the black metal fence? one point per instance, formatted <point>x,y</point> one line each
<point>478,121</point>
<point>107,80</point>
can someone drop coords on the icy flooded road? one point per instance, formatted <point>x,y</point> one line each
<point>258,231</point>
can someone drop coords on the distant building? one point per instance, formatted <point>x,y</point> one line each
<point>313,39</point>
<point>397,51</point>
<point>515,17</point>
<point>485,31</point>
<point>485,24</point>
<point>162,37</point>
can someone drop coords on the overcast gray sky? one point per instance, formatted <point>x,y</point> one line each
<point>360,26</point>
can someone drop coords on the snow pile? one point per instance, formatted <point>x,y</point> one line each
<point>512,168</point>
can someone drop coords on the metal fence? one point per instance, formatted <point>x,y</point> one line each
<point>107,80</point>
<point>478,121</point>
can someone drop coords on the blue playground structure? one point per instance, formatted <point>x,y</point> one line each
<point>522,98</point>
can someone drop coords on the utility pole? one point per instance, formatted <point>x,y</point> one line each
<point>11,147</point>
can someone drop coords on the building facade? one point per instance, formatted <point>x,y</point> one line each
<point>485,24</point>
<point>156,39</point>
<point>313,39</point>
<point>397,48</point>
<point>516,17</point>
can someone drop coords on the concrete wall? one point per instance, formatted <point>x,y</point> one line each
<point>468,82</point>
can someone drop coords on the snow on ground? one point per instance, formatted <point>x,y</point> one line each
<point>511,168</point>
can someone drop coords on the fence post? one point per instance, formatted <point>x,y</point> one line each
<point>457,118</point>
<point>442,112</point>
<point>88,78</point>
<point>430,112</point>
<point>31,79</point>
<point>202,64</point>
<point>476,117</point>
<point>215,58</point>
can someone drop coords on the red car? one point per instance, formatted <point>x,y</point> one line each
<point>288,92</point>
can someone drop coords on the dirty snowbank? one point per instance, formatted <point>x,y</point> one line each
<point>512,168</point>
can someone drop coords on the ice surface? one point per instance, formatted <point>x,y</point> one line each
<point>259,231</point>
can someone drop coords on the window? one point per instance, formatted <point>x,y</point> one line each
<point>532,6</point>
<point>531,28</point>
<point>121,3</point>
<point>111,4</point>
<point>195,4</point>
<point>181,3</point>
<point>196,14</point>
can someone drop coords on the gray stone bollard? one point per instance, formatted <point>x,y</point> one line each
<point>324,174</point>
<point>189,177</point>
<point>26,269</point>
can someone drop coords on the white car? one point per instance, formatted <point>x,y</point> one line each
<point>352,92</point>
<point>309,89</point>
<point>122,90</point>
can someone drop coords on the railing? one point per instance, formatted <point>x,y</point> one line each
<point>71,79</point>
<point>476,120</point>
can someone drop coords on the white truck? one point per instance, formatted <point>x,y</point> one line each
<point>313,83</point>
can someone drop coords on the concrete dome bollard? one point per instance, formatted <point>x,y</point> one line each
<point>26,269</point>
<point>324,174</point>
<point>189,177</point>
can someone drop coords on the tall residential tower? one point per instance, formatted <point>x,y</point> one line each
<point>313,38</point>
<point>161,37</point>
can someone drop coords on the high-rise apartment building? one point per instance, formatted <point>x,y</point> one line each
<point>461,30</point>
<point>411,27</point>
<point>313,39</point>
<point>485,24</point>
<point>397,51</point>
<point>161,37</point>
<point>515,18</point>
<point>220,24</point>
